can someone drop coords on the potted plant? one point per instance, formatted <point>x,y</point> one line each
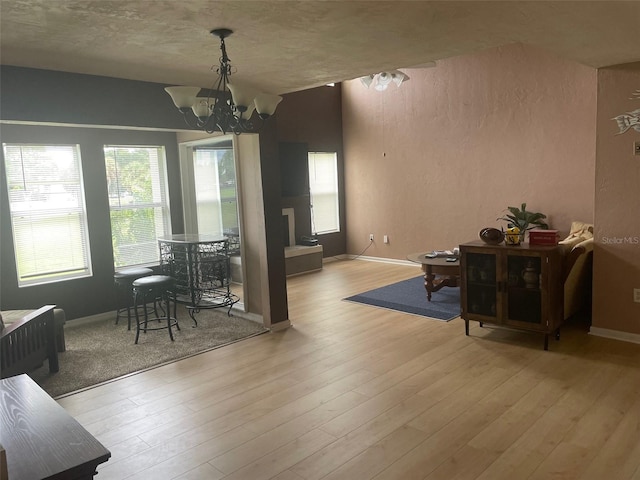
<point>524,220</point>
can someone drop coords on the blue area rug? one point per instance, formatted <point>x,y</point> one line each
<point>410,296</point>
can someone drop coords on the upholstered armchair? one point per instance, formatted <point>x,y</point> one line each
<point>578,269</point>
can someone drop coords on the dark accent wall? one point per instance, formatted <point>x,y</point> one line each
<point>35,95</point>
<point>294,169</point>
<point>314,117</point>
<point>294,177</point>
<point>276,274</point>
<point>95,294</point>
<point>44,96</point>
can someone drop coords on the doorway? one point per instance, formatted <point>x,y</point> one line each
<point>211,200</point>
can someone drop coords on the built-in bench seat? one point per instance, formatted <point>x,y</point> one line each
<point>302,259</point>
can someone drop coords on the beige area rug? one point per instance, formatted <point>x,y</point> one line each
<point>100,351</point>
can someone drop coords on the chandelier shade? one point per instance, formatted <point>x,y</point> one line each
<point>242,96</point>
<point>227,106</point>
<point>183,97</point>
<point>201,108</point>
<point>266,104</point>
<point>382,80</point>
<point>368,80</point>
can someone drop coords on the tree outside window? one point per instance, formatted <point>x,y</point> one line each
<point>139,202</point>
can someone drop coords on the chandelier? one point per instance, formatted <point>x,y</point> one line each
<point>382,80</point>
<point>227,107</point>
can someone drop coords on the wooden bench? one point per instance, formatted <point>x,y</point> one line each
<point>26,343</point>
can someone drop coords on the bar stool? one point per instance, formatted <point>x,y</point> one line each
<point>154,287</point>
<point>123,280</point>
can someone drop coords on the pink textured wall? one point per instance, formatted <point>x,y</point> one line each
<point>617,213</point>
<point>432,162</point>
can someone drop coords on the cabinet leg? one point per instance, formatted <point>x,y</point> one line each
<point>480,323</point>
<point>466,327</point>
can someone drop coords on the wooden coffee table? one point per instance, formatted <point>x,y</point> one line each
<point>448,272</point>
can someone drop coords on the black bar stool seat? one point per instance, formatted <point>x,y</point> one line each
<point>123,280</point>
<point>154,287</point>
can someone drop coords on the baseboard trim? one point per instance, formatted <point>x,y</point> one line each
<point>237,310</point>
<point>276,327</point>
<point>333,259</point>
<point>615,334</point>
<point>378,259</point>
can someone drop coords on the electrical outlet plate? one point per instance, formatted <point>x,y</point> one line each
<point>371,237</point>
<point>636,295</point>
<point>636,148</point>
<point>386,239</point>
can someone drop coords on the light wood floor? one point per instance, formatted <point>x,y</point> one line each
<point>355,392</point>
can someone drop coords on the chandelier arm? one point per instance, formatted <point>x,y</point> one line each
<point>185,116</point>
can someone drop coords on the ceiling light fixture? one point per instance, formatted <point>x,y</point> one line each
<point>227,106</point>
<point>381,81</point>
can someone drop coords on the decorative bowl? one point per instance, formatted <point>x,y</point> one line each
<point>491,236</point>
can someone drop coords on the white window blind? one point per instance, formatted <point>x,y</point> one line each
<point>323,184</point>
<point>215,190</point>
<point>48,212</point>
<point>139,202</point>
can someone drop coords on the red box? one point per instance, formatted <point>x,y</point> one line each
<point>543,237</point>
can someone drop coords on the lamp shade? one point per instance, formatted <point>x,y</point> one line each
<point>249,112</point>
<point>398,77</point>
<point>266,104</point>
<point>201,107</point>
<point>242,96</point>
<point>384,79</point>
<point>366,81</point>
<point>183,97</point>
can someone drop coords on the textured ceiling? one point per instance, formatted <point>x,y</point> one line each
<point>286,46</point>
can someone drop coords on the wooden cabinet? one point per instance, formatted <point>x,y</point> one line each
<point>519,286</point>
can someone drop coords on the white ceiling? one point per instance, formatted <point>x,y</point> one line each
<point>286,46</point>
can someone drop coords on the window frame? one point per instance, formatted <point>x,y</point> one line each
<point>335,192</point>
<point>44,214</point>
<point>164,204</point>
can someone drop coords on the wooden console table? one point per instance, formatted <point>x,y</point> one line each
<point>41,440</point>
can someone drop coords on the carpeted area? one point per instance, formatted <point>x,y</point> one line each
<point>100,351</point>
<point>410,296</point>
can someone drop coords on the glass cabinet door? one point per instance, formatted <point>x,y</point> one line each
<point>524,292</point>
<point>482,288</point>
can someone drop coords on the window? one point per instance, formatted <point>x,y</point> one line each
<point>48,212</point>
<point>215,188</point>
<point>323,184</point>
<point>138,198</point>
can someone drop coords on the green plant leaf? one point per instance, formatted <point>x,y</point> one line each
<point>523,219</point>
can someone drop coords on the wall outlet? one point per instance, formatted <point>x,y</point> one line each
<point>385,239</point>
<point>636,295</point>
<point>636,148</point>
<point>371,237</point>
